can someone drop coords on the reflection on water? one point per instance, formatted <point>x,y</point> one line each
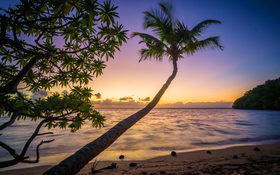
<point>161,131</point>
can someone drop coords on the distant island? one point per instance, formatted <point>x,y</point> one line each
<point>265,96</point>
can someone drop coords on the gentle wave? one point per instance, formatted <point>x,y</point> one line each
<point>240,141</point>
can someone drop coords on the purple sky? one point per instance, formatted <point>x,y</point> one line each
<point>249,33</point>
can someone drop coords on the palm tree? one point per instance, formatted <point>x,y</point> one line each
<point>172,39</point>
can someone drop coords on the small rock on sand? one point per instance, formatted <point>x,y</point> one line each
<point>235,157</point>
<point>173,153</point>
<point>114,165</point>
<point>132,164</point>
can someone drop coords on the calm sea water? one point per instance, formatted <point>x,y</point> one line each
<point>160,132</point>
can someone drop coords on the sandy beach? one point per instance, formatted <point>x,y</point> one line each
<point>255,159</point>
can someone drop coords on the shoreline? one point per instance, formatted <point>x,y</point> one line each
<point>231,160</point>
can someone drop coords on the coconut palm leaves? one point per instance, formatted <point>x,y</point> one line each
<point>155,47</point>
<point>172,38</point>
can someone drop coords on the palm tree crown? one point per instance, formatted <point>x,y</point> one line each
<point>172,37</point>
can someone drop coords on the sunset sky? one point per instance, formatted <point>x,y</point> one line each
<point>249,33</point>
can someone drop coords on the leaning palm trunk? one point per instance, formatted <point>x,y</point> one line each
<point>77,161</point>
<point>173,39</point>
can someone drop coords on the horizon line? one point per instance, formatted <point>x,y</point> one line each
<point>158,108</point>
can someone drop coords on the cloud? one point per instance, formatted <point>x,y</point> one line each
<point>41,94</point>
<point>65,92</point>
<point>144,99</point>
<point>126,99</point>
<point>109,103</point>
<point>129,102</point>
<point>97,95</point>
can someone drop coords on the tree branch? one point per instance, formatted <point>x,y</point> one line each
<point>14,161</point>
<point>14,30</point>
<point>22,158</point>
<point>9,149</point>
<point>8,163</point>
<point>18,46</point>
<point>11,121</point>
<point>27,144</point>
<point>22,97</point>
<point>3,30</point>
<point>38,152</point>
<point>11,87</point>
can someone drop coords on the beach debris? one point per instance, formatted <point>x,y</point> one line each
<point>93,166</point>
<point>235,156</point>
<point>121,157</point>
<point>189,167</point>
<point>209,152</point>
<point>133,164</point>
<point>256,149</point>
<point>112,166</point>
<point>173,153</point>
<point>162,172</point>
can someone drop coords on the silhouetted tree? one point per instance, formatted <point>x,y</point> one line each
<point>48,43</point>
<point>174,40</point>
<point>266,96</point>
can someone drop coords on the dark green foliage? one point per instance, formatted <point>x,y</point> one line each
<point>266,96</point>
<point>47,44</point>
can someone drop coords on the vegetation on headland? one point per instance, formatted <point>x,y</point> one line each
<point>265,96</point>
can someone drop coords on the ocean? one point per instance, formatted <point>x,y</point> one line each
<point>158,133</point>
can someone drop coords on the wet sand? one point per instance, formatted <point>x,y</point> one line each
<point>256,159</point>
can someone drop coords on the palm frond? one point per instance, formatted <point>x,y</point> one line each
<point>151,54</point>
<point>157,23</point>
<point>167,8</point>
<point>160,21</point>
<point>146,38</point>
<point>199,28</point>
<point>154,47</point>
<point>211,42</point>
<point>182,33</point>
